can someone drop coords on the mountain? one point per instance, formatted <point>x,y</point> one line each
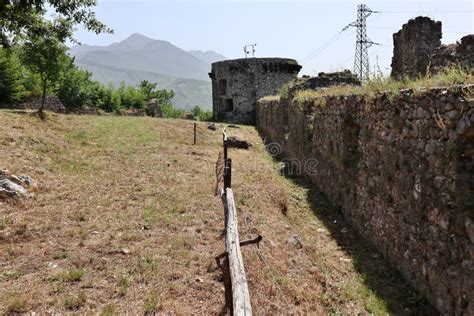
<point>140,58</point>
<point>208,56</point>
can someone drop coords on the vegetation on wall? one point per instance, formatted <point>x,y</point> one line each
<point>447,77</point>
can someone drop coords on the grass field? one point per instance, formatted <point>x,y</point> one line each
<point>123,218</point>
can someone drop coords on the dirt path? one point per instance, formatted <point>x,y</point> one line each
<point>124,219</point>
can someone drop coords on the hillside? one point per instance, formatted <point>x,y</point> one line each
<point>141,58</point>
<point>188,92</point>
<point>208,56</point>
<point>123,218</point>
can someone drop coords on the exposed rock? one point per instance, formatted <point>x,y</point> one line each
<point>234,142</point>
<point>9,188</point>
<point>25,180</point>
<point>211,126</point>
<point>295,240</point>
<point>188,116</point>
<point>153,108</point>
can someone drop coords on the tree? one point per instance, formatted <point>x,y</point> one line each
<point>18,18</point>
<point>151,91</point>
<point>11,88</point>
<point>147,89</point>
<point>201,114</point>
<point>41,53</point>
<point>74,86</point>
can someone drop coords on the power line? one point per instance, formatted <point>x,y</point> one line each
<point>397,28</point>
<point>322,47</point>
<point>422,12</point>
<point>361,60</point>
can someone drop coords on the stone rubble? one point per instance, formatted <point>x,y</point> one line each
<point>14,186</point>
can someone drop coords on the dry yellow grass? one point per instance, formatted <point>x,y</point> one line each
<point>447,77</point>
<point>124,219</point>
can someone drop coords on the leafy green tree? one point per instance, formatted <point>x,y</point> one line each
<point>11,88</point>
<point>201,114</point>
<point>42,53</point>
<point>131,97</point>
<point>19,18</point>
<point>148,89</point>
<point>74,85</point>
<point>151,91</point>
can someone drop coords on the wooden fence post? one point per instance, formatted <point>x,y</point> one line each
<point>240,293</point>
<point>228,174</point>
<point>194,143</point>
<point>236,288</point>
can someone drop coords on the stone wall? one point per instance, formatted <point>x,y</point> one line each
<point>401,168</point>
<point>460,53</point>
<point>324,80</point>
<point>417,50</point>
<point>413,46</point>
<point>51,103</point>
<point>238,84</point>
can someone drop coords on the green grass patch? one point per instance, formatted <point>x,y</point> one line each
<point>14,302</point>
<point>152,304</point>
<point>71,275</point>
<point>75,302</point>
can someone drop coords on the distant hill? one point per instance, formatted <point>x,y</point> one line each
<point>208,57</point>
<point>141,58</point>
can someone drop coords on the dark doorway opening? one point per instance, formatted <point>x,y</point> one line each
<point>229,105</point>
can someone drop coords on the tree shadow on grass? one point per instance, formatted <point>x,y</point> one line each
<point>378,274</point>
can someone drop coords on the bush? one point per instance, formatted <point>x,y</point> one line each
<point>170,112</point>
<point>201,115</point>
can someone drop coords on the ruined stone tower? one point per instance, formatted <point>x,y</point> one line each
<point>413,47</point>
<point>238,84</point>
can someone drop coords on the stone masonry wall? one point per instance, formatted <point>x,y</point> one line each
<point>401,168</point>
<point>460,53</point>
<point>413,46</point>
<point>417,50</point>
<point>238,84</point>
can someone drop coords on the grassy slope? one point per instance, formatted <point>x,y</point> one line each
<point>124,218</point>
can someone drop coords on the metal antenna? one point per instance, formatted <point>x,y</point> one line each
<point>252,51</point>
<point>363,42</point>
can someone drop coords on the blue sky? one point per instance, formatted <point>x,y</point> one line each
<point>286,28</point>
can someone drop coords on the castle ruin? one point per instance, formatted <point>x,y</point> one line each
<point>417,50</point>
<point>238,84</point>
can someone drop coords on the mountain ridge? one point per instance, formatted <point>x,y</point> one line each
<point>139,57</point>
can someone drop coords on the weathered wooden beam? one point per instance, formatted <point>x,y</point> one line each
<point>256,240</point>
<point>240,293</point>
<point>228,173</point>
